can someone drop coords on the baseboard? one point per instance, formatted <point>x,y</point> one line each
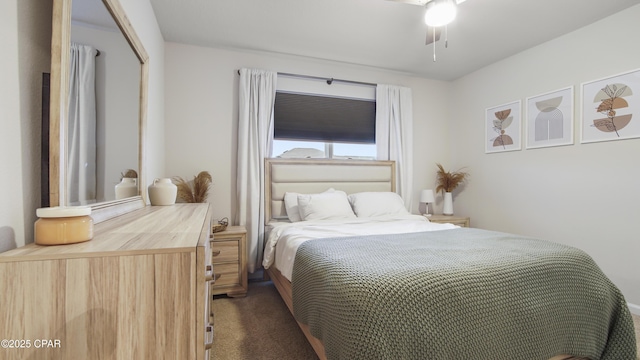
<point>635,309</point>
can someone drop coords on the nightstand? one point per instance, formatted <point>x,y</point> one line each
<point>229,254</point>
<point>451,219</point>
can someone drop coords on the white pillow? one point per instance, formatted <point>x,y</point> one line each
<point>371,204</point>
<point>291,205</point>
<point>325,206</point>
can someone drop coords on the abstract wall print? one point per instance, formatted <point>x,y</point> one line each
<point>550,119</point>
<point>611,108</point>
<point>502,127</point>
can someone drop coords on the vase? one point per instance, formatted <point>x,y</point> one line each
<point>447,208</point>
<point>162,192</point>
<point>126,188</point>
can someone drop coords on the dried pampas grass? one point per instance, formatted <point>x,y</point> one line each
<point>196,193</point>
<point>448,181</point>
<point>130,173</point>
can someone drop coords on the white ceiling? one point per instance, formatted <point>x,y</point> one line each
<point>378,33</point>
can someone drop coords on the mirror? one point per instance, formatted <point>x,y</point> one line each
<point>118,116</point>
<point>107,144</point>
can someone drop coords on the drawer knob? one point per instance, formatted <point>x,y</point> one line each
<point>215,253</point>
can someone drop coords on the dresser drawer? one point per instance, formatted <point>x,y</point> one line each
<point>225,251</point>
<point>227,274</point>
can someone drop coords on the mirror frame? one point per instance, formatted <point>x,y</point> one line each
<point>59,88</point>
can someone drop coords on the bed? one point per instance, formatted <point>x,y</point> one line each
<point>369,281</point>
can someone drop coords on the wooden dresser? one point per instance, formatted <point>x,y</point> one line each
<point>140,289</point>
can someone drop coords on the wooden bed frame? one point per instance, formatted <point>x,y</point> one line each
<point>314,176</point>
<point>308,176</point>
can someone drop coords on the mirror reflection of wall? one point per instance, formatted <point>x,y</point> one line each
<point>117,89</point>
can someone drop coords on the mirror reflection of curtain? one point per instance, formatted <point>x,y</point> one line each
<point>81,134</point>
<point>394,132</point>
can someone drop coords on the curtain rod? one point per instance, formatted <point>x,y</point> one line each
<point>328,80</point>
<point>97,50</point>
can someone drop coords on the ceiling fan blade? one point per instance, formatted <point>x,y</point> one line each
<point>430,34</point>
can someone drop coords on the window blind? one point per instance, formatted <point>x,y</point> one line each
<point>324,118</point>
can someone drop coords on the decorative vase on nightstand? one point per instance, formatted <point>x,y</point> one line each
<point>447,182</point>
<point>162,192</point>
<point>447,208</point>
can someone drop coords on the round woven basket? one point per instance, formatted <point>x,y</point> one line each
<point>220,226</point>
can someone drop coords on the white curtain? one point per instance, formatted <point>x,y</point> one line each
<point>394,124</point>
<point>256,99</point>
<point>81,134</point>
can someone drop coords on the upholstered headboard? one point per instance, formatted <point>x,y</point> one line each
<point>308,176</point>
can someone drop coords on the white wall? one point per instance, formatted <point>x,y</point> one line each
<point>26,42</point>
<point>25,26</point>
<point>584,195</point>
<point>11,208</point>
<point>201,113</point>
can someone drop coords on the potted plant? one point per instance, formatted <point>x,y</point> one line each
<point>447,182</point>
<point>196,193</point>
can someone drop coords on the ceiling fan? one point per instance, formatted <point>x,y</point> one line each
<point>438,14</point>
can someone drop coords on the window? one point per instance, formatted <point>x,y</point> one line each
<point>298,149</point>
<point>354,151</point>
<point>322,126</point>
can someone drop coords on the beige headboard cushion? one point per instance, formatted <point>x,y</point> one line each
<point>308,176</point>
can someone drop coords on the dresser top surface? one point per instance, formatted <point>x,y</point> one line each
<point>151,229</point>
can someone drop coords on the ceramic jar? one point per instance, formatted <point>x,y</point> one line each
<point>162,192</point>
<point>126,188</point>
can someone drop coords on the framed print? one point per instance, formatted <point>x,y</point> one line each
<point>502,127</point>
<point>550,119</point>
<point>611,108</point>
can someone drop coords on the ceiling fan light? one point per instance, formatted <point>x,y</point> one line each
<point>440,12</point>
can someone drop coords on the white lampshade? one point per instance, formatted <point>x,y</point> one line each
<point>440,12</point>
<point>426,196</point>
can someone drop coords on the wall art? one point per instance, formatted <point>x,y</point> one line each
<point>611,108</point>
<point>503,127</point>
<point>550,119</point>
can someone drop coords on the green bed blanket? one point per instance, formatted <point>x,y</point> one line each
<point>458,294</point>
